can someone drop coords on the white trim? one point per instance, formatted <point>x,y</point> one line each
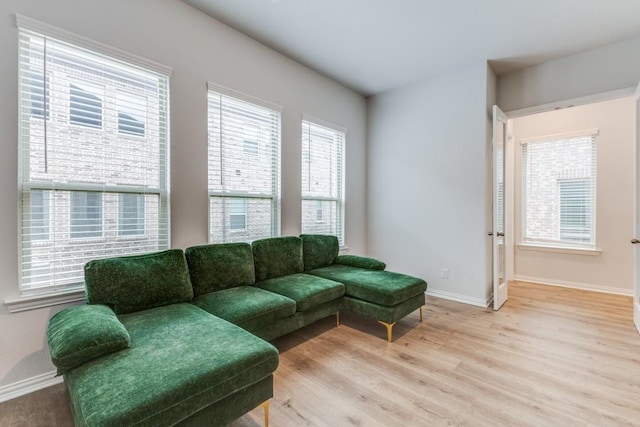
<point>574,285</point>
<point>225,91</point>
<point>478,302</point>
<point>324,123</point>
<point>30,24</point>
<point>29,385</point>
<point>32,302</point>
<point>582,100</point>
<point>560,249</point>
<point>564,135</point>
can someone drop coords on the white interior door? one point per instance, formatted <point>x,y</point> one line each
<point>500,282</point>
<point>636,240</point>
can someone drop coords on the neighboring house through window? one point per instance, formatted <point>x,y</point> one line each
<point>86,215</point>
<point>96,170</point>
<point>323,179</point>
<point>131,214</point>
<point>244,167</point>
<point>559,188</point>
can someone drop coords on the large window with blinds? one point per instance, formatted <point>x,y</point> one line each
<point>559,190</point>
<point>323,179</point>
<point>244,167</point>
<point>93,137</point>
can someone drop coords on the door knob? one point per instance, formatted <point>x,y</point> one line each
<point>490,233</point>
<point>501,234</point>
<point>635,241</point>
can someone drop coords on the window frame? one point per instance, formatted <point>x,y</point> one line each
<point>557,243</point>
<point>225,195</point>
<point>32,34</point>
<point>339,199</point>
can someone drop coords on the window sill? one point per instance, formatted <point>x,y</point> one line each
<point>32,302</point>
<point>560,249</point>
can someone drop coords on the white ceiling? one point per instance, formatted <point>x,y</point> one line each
<point>375,45</point>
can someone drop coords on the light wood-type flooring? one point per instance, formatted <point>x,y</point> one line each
<point>549,357</point>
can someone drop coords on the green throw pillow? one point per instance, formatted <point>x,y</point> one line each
<point>79,334</point>
<point>361,262</point>
<point>139,282</point>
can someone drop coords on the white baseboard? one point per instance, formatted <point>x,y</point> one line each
<point>575,285</point>
<point>20,388</point>
<point>465,299</point>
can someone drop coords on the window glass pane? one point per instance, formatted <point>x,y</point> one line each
<point>240,220</point>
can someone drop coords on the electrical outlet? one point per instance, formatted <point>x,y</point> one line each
<point>445,273</point>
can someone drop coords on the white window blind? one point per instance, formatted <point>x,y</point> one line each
<point>93,167</point>
<point>322,180</point>
<point>244,168</point>
<point>559,190</point>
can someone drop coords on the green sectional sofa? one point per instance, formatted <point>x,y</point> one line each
<point>180,338</point>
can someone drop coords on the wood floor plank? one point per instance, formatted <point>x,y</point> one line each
<point>551,356</point>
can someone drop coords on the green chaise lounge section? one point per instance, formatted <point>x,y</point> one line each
<point>141,354</point>
<point>370,291</point>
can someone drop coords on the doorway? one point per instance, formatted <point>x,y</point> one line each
<point>568,243</point>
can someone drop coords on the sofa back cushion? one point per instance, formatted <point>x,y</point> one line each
<point>277,257</point>
<point>319,250</point>
<point>139,282</point>
<point>220,266</point>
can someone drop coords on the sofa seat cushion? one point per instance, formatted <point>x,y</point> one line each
<point>381,287</point>
<point>180,360</point>
<point>306,290</point>
<point>247,306</point>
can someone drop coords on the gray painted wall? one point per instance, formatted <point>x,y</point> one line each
<point>199,49</point>
<point>611,67</point>
<point>428,168</point>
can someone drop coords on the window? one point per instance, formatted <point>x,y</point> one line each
<point>83,186</point>
<point>131,214</point>
<point>237,214</point>
<point>85,104</point>
<point>244,167</point>
<point>559,187</point>
<point>322,180</point>
<point>86,215</point>
<point>575,210</point>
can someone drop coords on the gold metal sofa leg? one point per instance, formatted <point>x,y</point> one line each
<point>265,406</point>
<point>337,318</point>
<point>389,327</point>
<point>421,307</point>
